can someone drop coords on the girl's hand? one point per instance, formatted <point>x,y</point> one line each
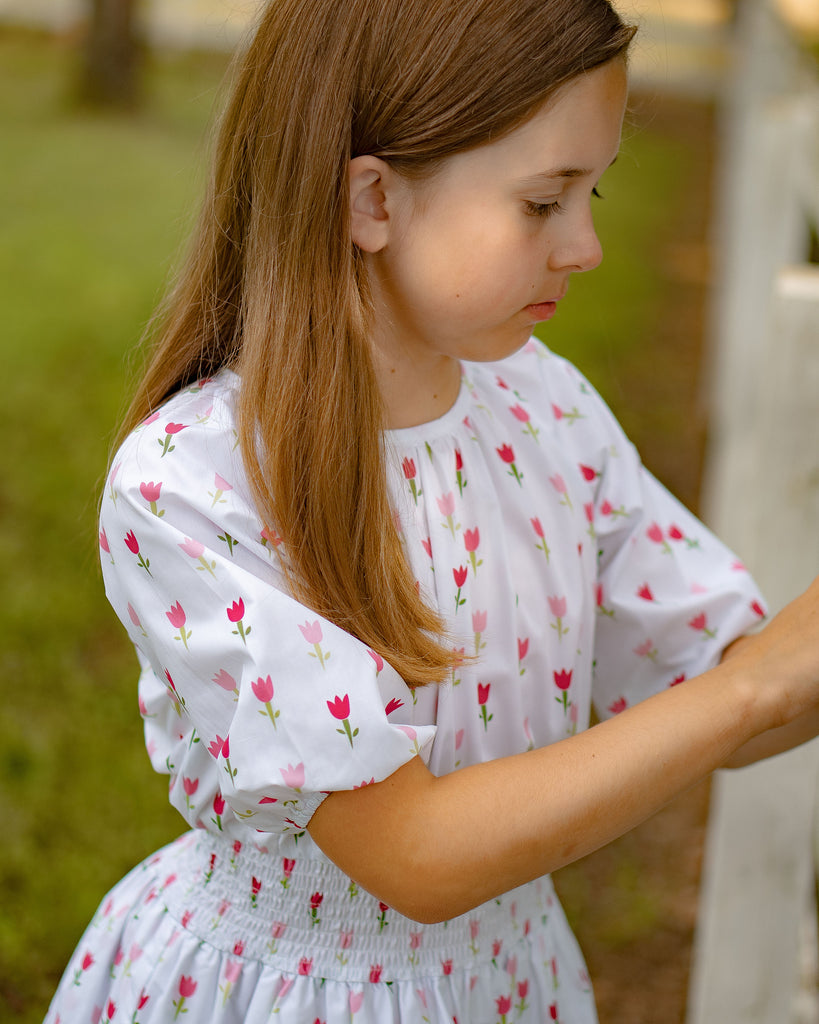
<point>434,848</point>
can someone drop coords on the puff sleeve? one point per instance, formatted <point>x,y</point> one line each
<point>252,703</point>
<point>669,595</point>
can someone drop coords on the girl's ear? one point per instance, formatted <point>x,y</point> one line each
<point>371,180</point>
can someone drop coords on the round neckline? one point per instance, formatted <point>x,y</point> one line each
<point>447,423</point>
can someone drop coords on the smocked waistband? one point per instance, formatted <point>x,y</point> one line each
<point>303,913</point>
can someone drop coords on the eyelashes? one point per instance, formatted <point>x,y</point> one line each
<point>545,210</point>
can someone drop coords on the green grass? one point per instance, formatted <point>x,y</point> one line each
<point>93,209</point>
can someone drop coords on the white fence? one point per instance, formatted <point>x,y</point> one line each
<point>755,958</point>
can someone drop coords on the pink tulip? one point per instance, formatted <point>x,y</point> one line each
<point>233,970</point>
<point>150,491</point>
<point>340,707</point>
<point>132,615</point>
<point>311,631</point>
<point>557,606</point>
<point>519,413</point>
<point>221,484</point>
<point>563,679</point>
<point>194,548</point>
<point>408,466</point>
<point>558,483</point>
<point>379,661</point>
<point>263,689</point>
<point>225,680</point>
<point>478,621</point>
<point>104,542</point>
<point>174,428</point>
<point>190,785</point>
<point>446,504</point>
<point>504,1004</point>
<point>293,776</point>
<point>472,539</point>
<point>507,453</point>
<point>537,526</point>
<point>236,611</point>
<point>655,533</point>
<point>356,1001</point>
<point>187,987</point>
<point>523,648</point>
<point>176,616</point>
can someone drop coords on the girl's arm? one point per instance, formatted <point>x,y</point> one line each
<point>774,741</point>
<point>434,848</point>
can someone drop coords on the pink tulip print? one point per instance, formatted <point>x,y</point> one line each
<point>196,549</point>
<point>379,661</point>
<point>311,631</point>
<point>522,416</point>
<point>410,473</point>
<point>226,681</point>
<point>563,680</point>
<point>507,454</point>
<point>176,617</point>
<point>523,992</point>
<point>171,430</point>
<point>523,650</point>
<point>472,540</point>
<point>459,472</point>
<point>656,536</point>
<point>446,506</point>
<point>339,708</point>
<point>504,1005</point>
<point>236,613</point>
<point>187,988</point>
<point>646,650</point>
<point>459,575</point>
<point>541,545</point>
<point>190,786</point>
<point>233,970</point>
<point>559,485</point>
<point>105,546</point>
<point>700,624</point>
<point>133,546</point>
<point>315,902</point>
<point>218,810</point>
<point>220,487</point>
<point>483,700</point>
<point>478,626</point>
<point>151,493</point>
<point>293,777</point>
<point>263,691</point>
<point>557,606</point>
<point>570,415</point>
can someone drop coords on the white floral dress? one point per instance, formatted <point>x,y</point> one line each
<point>554,556</point>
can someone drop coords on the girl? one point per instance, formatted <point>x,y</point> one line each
<point>379,552</point>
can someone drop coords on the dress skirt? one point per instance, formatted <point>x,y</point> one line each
<point>209,929</point>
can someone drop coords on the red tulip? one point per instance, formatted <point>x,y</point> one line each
<point>563,679</point>
<point>460,575</point>
<point>506,452</point>
<point>483,692</point>
<point>340,707</point>
<point>131,542</point>
<point>236,610</point>
<point>187,987</point>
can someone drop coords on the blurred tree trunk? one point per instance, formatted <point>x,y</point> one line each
<point>110,69</point>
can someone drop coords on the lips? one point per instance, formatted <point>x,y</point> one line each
<point>540,311</point>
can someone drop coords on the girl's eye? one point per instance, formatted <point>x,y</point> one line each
<point>549,209</point>
<point>543,209</point>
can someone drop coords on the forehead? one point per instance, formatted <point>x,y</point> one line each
<point>575,132</point>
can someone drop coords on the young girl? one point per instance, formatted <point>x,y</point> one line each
<point>379,551</point>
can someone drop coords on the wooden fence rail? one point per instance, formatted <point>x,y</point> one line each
<point>755,958</point>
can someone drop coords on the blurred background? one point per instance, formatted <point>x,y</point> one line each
<point>104,113</point>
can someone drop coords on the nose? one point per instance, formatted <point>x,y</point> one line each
<point>578,249</point>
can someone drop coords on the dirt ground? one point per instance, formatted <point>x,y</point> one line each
<point>634,903</point>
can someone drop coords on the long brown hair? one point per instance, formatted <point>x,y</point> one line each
<point>274,287</point>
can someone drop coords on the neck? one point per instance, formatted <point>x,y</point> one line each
<point>413,392</point>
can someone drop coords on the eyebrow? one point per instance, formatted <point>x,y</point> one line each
<point>556,174</point>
